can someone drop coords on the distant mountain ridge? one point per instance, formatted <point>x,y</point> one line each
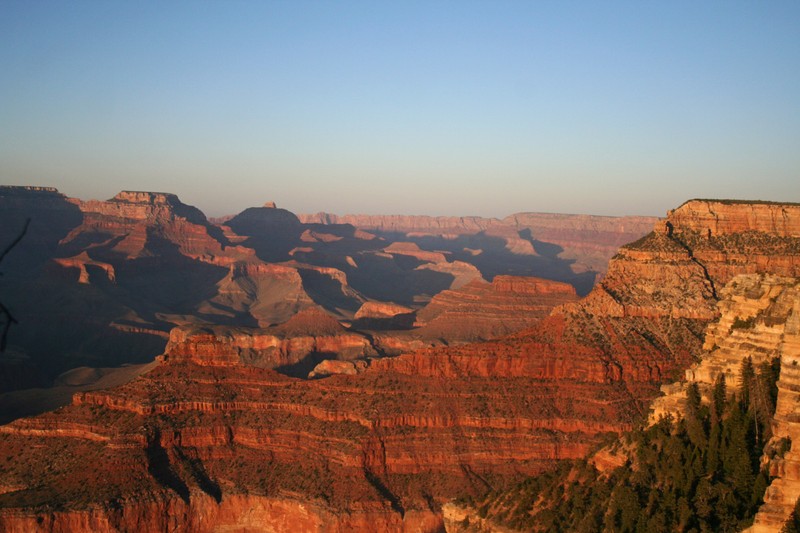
<point>589,240</point>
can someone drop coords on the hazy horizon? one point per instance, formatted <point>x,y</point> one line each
<point>448,109</point>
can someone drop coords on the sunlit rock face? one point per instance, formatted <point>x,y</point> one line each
<point>212,438</point>
<point>482,311</point>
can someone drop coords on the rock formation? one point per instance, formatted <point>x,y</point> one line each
<point>588,241</point>
<point>754,311</point>
<point>84,264</point>
<point>194,446</point>
<point>271,232</point>
<point>400,437</point>
<point>214,438</point>
<point>295,346</point>
<point>481,310</point>
<point>257,292</point>
<point>784,491</point>
<point>137,224</point>
<point>382,310</point>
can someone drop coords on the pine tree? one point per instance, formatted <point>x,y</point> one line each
<point>747,376</point>
<point>718,397</point>
<point>694,417</point>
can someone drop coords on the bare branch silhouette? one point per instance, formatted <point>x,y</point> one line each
<point>9,318</point>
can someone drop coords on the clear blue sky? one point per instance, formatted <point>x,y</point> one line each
<point>453,108</point>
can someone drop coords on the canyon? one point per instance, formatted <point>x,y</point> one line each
<point>462,376</point>
<point>746,291</point>
<point>108,280</point>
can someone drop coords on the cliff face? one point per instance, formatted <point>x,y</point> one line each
<point>481,310</point>
<point>211,432</point>
<point>755,317</point>
<point>730,217</point>
<point>402,436</point>
<point>784,491</point>
<point>146,224</point>
<point>376,451</point>
<point>732,238</point>
<point>295,347</point>
<point>704,250</point>
<point>238,513</point>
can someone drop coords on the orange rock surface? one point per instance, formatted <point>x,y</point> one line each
<point>210,439</point>
<point>481,310</point>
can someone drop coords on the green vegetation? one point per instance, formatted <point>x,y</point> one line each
<point>700,473</point>
<point>740,323</point>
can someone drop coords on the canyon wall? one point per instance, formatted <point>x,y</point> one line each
<point>784,491</point>
<point>587,241</point>
<point>211,430</point>
<point>481,310</point>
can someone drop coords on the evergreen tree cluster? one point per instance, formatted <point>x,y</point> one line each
<point>700,473</point>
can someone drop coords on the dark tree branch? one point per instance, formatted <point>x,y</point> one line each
<point>9,318</point>
<point>15,241</point>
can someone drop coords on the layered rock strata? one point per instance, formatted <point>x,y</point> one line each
<point>784,491</point>
<point>384,447</point>
<point>588,240</point>
<point>137,224</point>
<point>481,310</point>
<point>754,313</point>
<point>378,451</point>
<point>309,336</point>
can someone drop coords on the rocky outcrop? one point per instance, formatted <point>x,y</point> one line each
<point>143,205</point>
<point>782,320</point>
<point>84,264</point>
<point>137,224</point>
<point>753,314</point>
<point>384,316</point>
<point>588,239</point>
<point>481,310</point>
<point>255,291</point>
<point>411,249</point>
<point>729,217</point>
<point>330,367</point>
<point>382,310</point>
<point>238,512</point>
<point>270,231</point>
<point>308,339</point>
<point>731,238</point>
<point>463,520</point>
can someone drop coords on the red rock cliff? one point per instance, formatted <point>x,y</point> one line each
<point>401,437</point>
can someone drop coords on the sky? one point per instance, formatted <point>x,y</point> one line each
<point>435,107</point>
